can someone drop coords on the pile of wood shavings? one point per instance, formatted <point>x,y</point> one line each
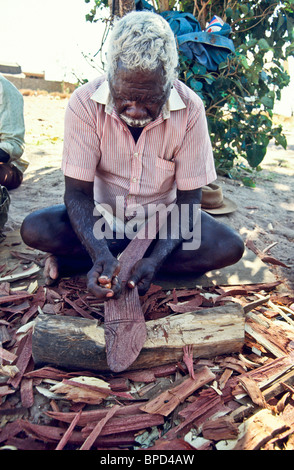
<point>237,401</point>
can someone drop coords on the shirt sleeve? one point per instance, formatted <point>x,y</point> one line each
<point>194,159</point>
<point>81,149</point>
<point>12,127</point>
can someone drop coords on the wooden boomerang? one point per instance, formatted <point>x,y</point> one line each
<point>124,322</point>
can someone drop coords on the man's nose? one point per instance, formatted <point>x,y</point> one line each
<point>136,110</point>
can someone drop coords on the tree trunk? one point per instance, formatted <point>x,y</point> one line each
<point>121,7</point>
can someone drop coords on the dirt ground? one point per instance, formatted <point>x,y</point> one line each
<point>264,215</point>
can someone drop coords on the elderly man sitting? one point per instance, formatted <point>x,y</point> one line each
<point>134,139</point>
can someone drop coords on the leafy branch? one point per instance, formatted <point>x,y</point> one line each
<point>240,95</point>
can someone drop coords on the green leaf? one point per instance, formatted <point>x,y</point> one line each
<point>267,101</point>
<point>281,140</point>
<point>189,74</point>
<point>243,60</point>
<point>255,154</point>
<point>223,65</point>
<point>229,12</point>
<point>247,181</point>
<point>199,69</point>
<point>209,78</point>
<point>281,21</point>
<point>195,85</point>
<point>244,9</point>
<point>263,76</point>
<point>263,45</point>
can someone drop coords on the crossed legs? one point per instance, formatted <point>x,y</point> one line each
<point>49,230</point>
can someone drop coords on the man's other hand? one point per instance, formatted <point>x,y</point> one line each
<point>142,275</point>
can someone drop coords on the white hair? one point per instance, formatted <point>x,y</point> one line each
<point>143,40</point>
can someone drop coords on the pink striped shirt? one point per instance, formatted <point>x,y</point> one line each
<point>173,151</point>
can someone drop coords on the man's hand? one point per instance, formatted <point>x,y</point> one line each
<point>102,278</point>
<point>4,156</point>
<point>142,275</point>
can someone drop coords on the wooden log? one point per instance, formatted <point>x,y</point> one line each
<point>79,343</point>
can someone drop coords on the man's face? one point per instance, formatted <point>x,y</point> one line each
<point>138,95</point>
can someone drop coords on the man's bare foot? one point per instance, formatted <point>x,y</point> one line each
<point>51,271</point>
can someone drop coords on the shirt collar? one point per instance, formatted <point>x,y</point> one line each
<point>102,96</point>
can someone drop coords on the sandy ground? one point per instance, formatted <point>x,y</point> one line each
<point>264,215</point>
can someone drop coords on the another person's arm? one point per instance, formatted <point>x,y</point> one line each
<point>12,126</point>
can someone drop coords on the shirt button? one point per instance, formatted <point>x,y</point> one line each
<point>134,180</point>
<point>136,154</point>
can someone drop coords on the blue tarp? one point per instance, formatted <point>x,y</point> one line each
<point>208,49</point>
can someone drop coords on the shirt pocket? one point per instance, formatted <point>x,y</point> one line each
<point>164,175</point>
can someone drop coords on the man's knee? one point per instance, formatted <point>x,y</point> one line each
<point>220,248</point>
<point>226,245</point>
<point>29,230</point>
<point>49,230</point>
<point>39,227</point>
<point>237,247</point>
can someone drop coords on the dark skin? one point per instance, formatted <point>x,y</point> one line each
<point>10,176</point>
<point>139,95</point>
<point>66,232</point>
